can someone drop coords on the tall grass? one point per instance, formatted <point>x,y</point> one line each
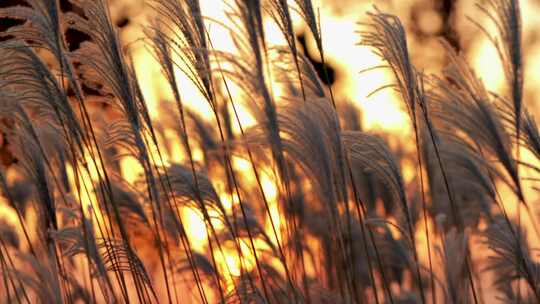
<point>101,188</point>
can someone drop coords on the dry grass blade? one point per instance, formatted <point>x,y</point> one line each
<point>307,11</point>
<point>454,254</point>
<point>313,128</point>
<point>35,165</point>
<point>42,279</point>
<point>530,134</point>
<point>471,179</point>
<point>42,28</point>
<point>462,104</point>
<point>104,56</point>
<point>118,258</point>
<point>370,153</point>
<point>22,70</point>
<point>81,240</point>
<point>386,35</point>
<point>129,204</point>
<point>181,31</point>
<point>512,256</point>
<point>310,81</point>
<point>188,193</point>
<point>506,16</point>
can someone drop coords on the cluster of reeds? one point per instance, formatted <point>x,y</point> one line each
<point>343,225</point>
